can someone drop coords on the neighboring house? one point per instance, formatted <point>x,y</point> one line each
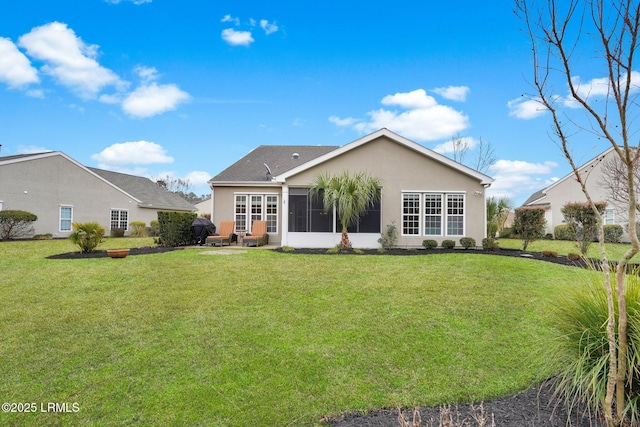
<point>567,189</point>
<point>61,191</point>
<point>426,195</point>
<point>203,208</point>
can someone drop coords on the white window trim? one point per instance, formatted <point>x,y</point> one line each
<point>613,215</point>
<point>60,219</point>
<point>264,195</point>
<point>444,215</point>
<point>126,228</point>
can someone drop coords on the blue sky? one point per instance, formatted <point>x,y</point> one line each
<point>185,88</point>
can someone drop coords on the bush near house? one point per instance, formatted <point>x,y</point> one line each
<point>175,228</point>
<point>15,224</point>
<point>612,233</point>
<point>138,229</point>
<point>87,235</point>
<point>489,244</point>
<point>429,244</point>
<point>563,232</point>
<point>448,244</point>
<point>468,242</point>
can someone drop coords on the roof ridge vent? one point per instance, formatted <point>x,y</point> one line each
<point>295,156</point>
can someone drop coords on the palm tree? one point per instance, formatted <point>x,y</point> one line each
<point>497,212</point>
<point>350,195</point>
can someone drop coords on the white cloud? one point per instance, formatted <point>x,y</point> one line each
<point>134,152</point>
<point>15,68</point>
<point>448,147</point>
<point>237,38</point>
<point>269,28</point>
<point>146,74</point>
<point>138,2</point>
<point>454,93</point>
<point>68,59</point>
<point>423,119</point>
<point>31,149</point>
<point>229,18</point>
<point>502,167</point>
<point>349,121</point>
<point>519,179</point>
<point>198,178</point>
<point>522,108</point>
<point>150,100</point>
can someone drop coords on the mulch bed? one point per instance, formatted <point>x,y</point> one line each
<point>103,254</point>
<point>535,407</point>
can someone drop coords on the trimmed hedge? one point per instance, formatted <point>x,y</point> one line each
<point>489,244</point>
<point>563,232</point>
<point>448,244</point>
<point>429,244</point>
<point>468,242</point>
<point>15,224</point>
<point>612,233</point>
<point>175,228</point>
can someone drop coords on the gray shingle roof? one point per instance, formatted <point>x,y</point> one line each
<point>148,192</point>
<point>279,158</point>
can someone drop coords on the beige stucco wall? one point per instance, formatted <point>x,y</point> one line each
<point>42,185</point>
<point>400,169</point>
<point>568,190</point>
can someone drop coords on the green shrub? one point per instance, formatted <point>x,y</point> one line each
<point>288,249</point>
<point>612,233</point>
<point>138,229</point>
<point>429,244</point>
<point>529,223</point>
<point>563,232</point>
<point>506,232</point>
<point>468,242</point>
<point>489,244</point>
<point>175,228</point>
<point>583,221</point>
<point>46,236</point>
<point>117,232</point>
<point>15,224</point>
<point>390,237</point>
<point>448,244</point>
<point>154,227</point>
<point>583,347</point>
<point>87,236</point>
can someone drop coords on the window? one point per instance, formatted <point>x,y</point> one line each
<point>411,214</point>
<point>609,217</point>
<point>120,219</point>
<point>307,214</point>
<point>262,207</point>
<point>424,214</point>
<point>66,218</point>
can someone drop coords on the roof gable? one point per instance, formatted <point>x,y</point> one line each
<point>150,194</point>
<point>484,179</point>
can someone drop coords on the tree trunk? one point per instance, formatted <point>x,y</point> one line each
<point>345,242</point>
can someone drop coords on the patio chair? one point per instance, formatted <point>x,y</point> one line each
<point>258,234</point>
<point>225,235</point>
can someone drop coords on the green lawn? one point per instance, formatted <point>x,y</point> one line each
<point>262,338</point>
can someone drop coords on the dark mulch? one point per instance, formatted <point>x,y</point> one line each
<point>103,254</point>
<point>535,407</point>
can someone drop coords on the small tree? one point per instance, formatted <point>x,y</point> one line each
<point>15,224</point>
<point>87,236</point>
<point>350,195</point>
<point>529,223</point>
<point>583,222</point>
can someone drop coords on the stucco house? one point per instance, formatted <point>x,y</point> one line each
<point>566,190</point>
<point>61,191</point>
<point>426,195</point>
